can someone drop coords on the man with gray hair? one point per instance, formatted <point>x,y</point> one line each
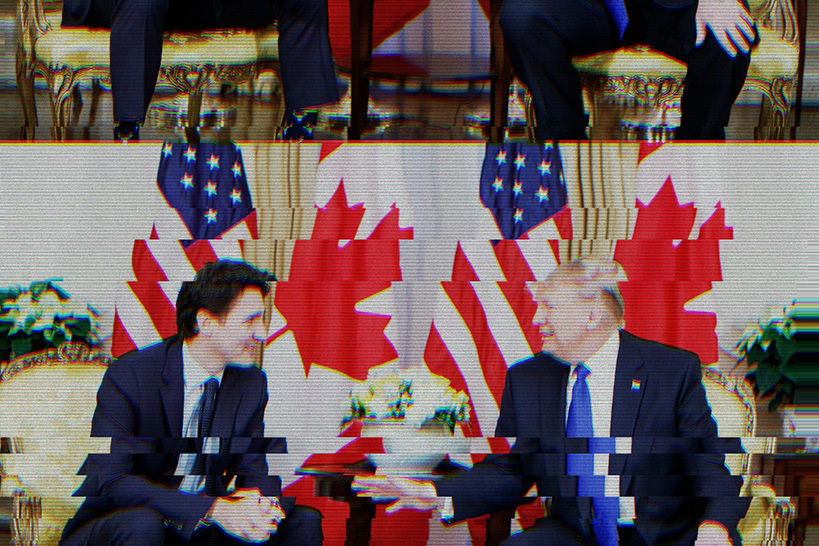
<point>614,428</point>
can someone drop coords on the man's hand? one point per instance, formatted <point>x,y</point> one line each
<point>712,533</point>
<point>406,492</point>
<point>247,515</point>
<point>731,23</point>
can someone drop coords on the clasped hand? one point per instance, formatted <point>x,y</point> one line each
<point>405,492</point>
<point>731,23</point>
<point>247,515</point>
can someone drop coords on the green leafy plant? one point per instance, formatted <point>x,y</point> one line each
<point>42,317</point>
<point>769,348</point>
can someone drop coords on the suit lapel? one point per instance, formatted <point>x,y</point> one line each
<point>629,385</point>
<point>552,404</point>
<point>552,400</point>
<point>172,389</point>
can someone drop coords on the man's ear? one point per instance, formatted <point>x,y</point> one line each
<point>205,322</point>
<point>595,317</point>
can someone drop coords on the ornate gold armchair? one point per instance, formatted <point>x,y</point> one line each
<point>641,87</point>
<point>649,84</point>
<point>48,400</point>
<point>69,57</point>
<point>732,405</point>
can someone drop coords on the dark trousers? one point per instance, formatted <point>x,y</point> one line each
<point>543,35</point>
<point>306,60</point>
<point>551,530</point>
<point>142,526</point>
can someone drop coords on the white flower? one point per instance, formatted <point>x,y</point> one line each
<point>415,394</point>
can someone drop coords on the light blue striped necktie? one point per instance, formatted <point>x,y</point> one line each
<point>580,425</point>
<point>618,11</point>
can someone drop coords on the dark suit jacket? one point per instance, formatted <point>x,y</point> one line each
<point>139,405</point>
<point>676,467</point>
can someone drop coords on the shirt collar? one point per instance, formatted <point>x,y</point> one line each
<point>604,357</point>
<point>193,372</point>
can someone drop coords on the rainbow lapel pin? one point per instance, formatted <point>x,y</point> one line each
<point>635,385</point>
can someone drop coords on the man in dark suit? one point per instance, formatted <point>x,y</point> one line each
<point>663,481</point>
<point>306,60</point>
<point>712,36</point>
<point>185,420</point>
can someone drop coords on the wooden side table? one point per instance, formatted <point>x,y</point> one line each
<point>333,478</point>
<point>361,43</point>
<point>361,67</point>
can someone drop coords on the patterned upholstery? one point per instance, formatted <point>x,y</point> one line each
<point>48,401</point>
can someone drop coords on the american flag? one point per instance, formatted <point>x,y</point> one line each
<point>204,212</point>
<point>522,185</point>
<point>206,185</point>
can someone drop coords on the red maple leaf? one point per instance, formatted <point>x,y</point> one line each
<point>327,281</point>
<point>663,276</point>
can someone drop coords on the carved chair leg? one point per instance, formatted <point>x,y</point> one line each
<point>773,121</point>
<point>25,88</point>
<point>500,65</point>
<point>76,103</point>
<point>25,517</point>
<point>96,94</point>
<point>531,119</point>
<point>774,118</point>
<point>61,82</point>
<point>194,108</point>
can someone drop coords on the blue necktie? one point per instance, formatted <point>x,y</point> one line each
<point>580,425</point>
<point>618,12</point>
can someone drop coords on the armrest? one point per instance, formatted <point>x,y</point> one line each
<point>25,510</point>
<point>10,486</point>
<point>783,507</point>
<point>31,23</point>
<point>25,517</point>
<point>777,15</point>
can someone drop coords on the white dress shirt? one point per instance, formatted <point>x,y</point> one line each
<point>195,377</point>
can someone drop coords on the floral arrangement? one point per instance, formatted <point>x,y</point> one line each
<point>769,346</point>
<point>43,317</point>
<point>414,396</point>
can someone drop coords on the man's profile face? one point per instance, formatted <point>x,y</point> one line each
<point>237,335</point>
<point>562,317</point>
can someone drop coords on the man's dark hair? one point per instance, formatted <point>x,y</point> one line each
<point>215,287</point>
